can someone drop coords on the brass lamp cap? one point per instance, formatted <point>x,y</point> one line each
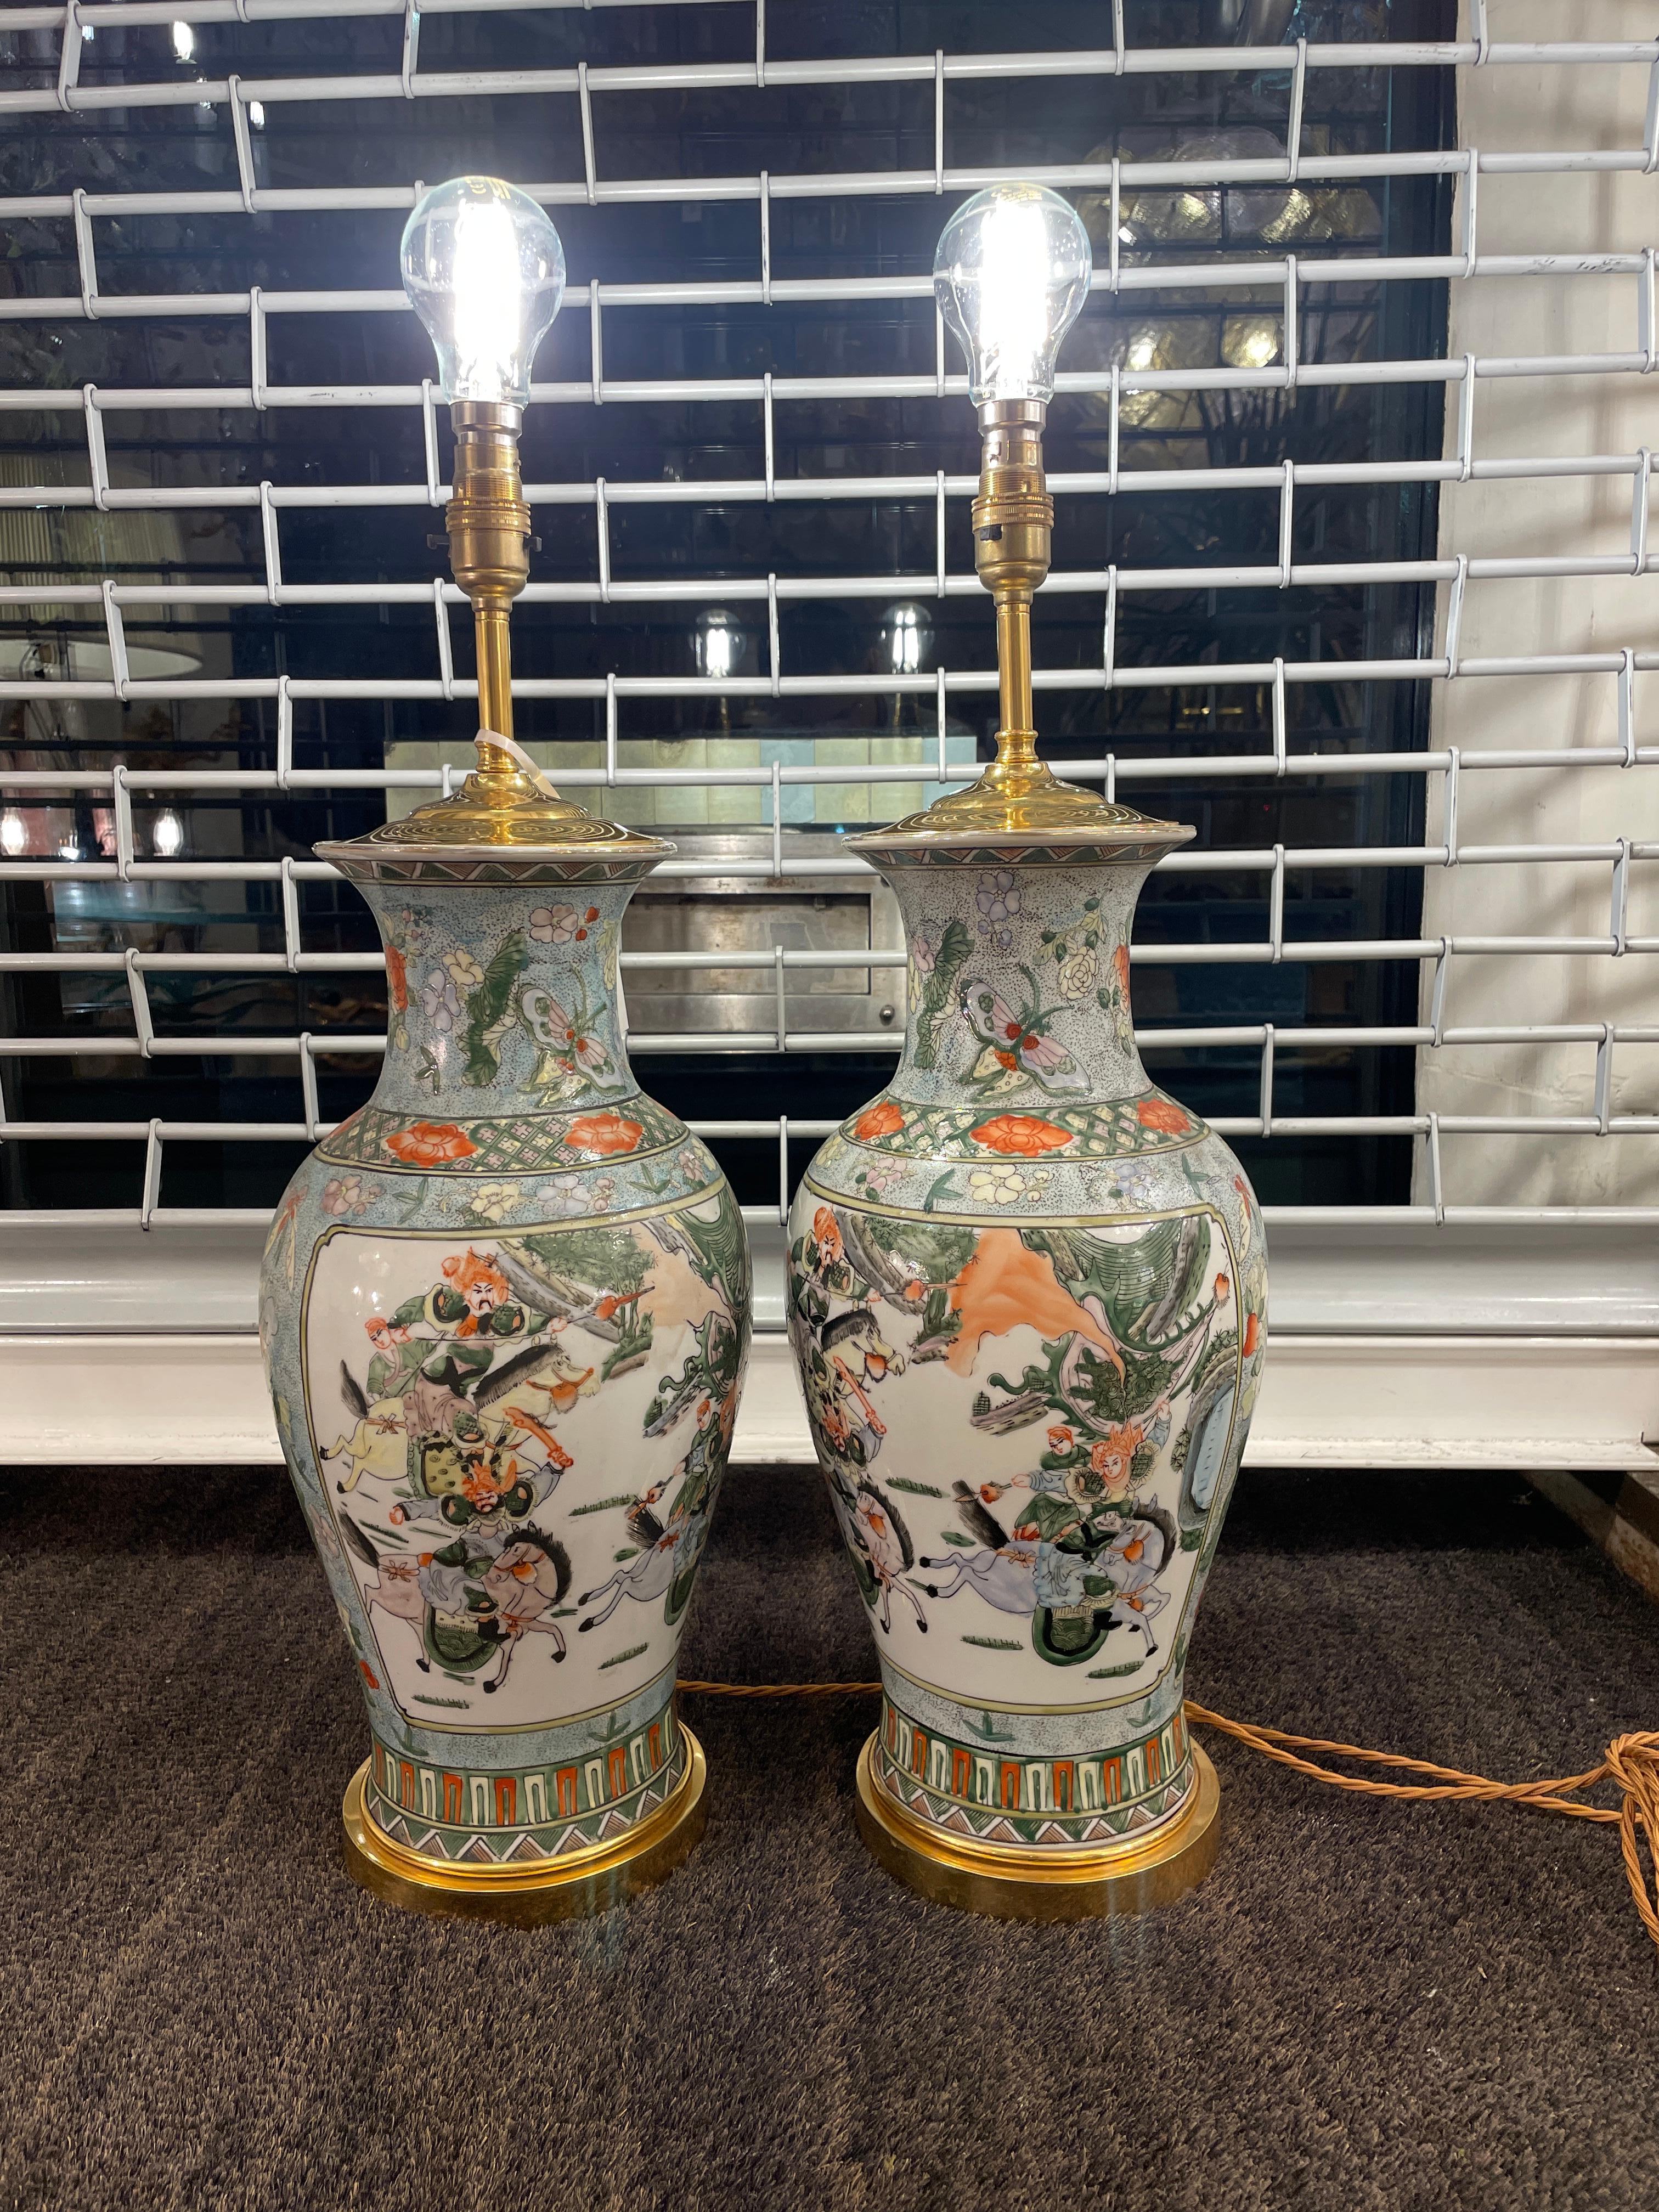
<point>507,802</point>
<point>1022,799</point>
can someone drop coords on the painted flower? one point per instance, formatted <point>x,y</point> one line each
<point>343,1194</point>
<point>688,1161</point>
<point>586,923</point>
<point>465,970</point>
<point>885,1177</point>
<point>998,902</point>
<point>439,1001</point>
<point>1252,1334</point>
<point>1002,1185</point>
<point>1224,1290</point>
<point>397,979</point>
<point>428,1144</point>
<point>924,951</point>
<point>1028,1134</point>
<point>603,1134</point>
<point>1076,974</point>
<point>1135,1184</point>
<point>567,1195</point>
<point>1120,969</point>
<point>883,1119</point>
<point>1164,1114</point>
<point>999,899</point>
<point>493,1201</point>
<point>553,925</point>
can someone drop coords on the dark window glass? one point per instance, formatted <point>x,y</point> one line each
<point>209,451</point>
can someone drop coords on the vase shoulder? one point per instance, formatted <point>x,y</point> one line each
<point>628,1126</point>
<point>895,1128</point>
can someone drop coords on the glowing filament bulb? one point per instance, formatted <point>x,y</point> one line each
<point>484,271</point>
<point>1010,274</point>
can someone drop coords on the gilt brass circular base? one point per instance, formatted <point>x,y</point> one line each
<point>1009,1881</point>
<point>528,1895</point>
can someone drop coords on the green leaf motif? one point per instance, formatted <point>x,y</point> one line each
<point>486,1009</point>
<point>939,993</point>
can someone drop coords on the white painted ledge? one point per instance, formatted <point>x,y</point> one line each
<point>1422,1400</point>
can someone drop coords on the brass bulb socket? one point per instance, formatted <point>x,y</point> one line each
<point>1014,515</point>
<point>488,526</point>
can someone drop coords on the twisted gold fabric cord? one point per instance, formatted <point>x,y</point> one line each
<point>1631,1761</point>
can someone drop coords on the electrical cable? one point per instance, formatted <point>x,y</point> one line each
<point>1631,1761</point>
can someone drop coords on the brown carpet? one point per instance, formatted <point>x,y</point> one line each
<point>1367,2004</point>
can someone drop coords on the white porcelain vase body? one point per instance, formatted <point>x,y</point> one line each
<point>1028,1297</point>
<point>505,1313</point>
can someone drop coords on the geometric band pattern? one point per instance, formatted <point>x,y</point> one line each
<point>517,1144</point>
<point>982,1789</point>
<point>498,1818</point>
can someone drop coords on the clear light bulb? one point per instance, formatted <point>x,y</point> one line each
<point>484,271</point>
<point>1012,272</point>
<point>169,835</point>
<point>14,836</point>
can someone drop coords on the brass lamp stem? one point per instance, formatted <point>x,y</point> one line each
<point>1017,794</point>
<point>488,545</point>
<point>1013,524</point>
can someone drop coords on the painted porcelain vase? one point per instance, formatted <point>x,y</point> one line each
<point>505,1313</point>
<point>1027,1295</point>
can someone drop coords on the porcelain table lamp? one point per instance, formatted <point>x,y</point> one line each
<point>505,1304</point>
<point>1027,1287</point>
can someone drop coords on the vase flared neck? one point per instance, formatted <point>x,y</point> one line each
<point>1018,959</point>
<point>501,998</point>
